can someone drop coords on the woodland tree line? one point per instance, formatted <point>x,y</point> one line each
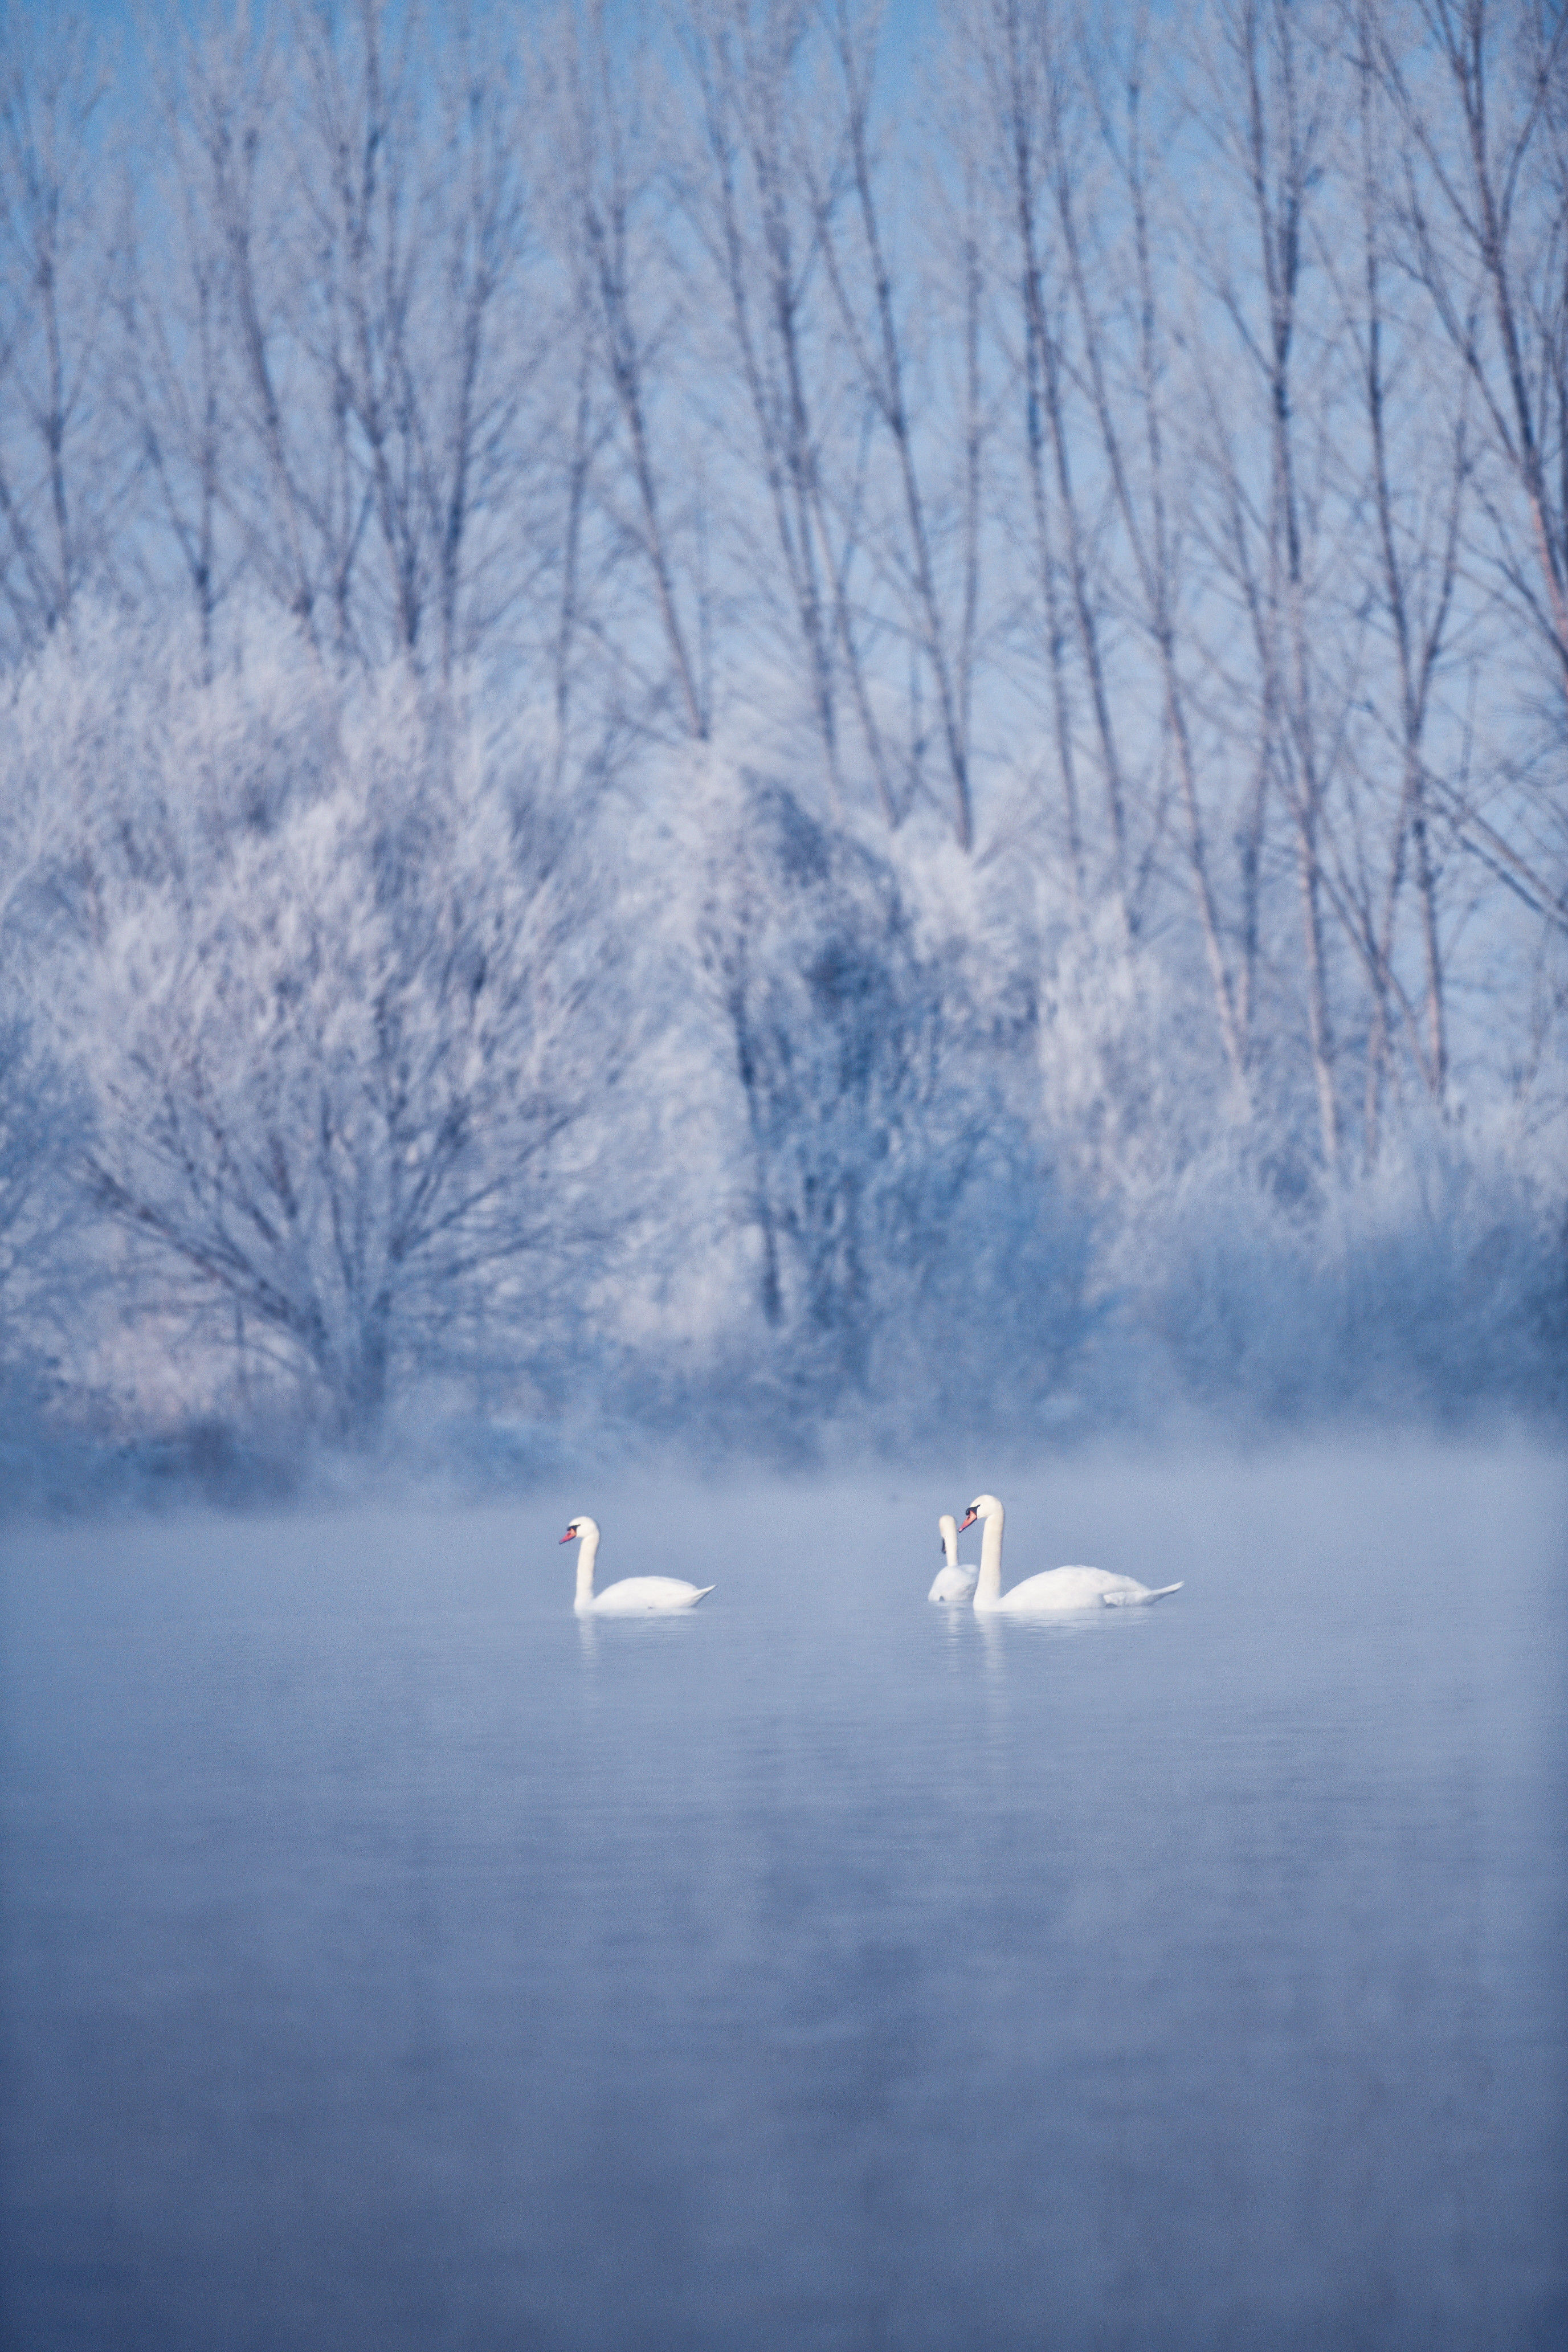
<point>751,710</point>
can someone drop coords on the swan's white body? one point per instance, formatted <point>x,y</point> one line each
<point>952,1582</point>
<point>634,1596</point>
<point>1058,1588</point>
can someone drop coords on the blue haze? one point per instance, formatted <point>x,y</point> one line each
<point>391,1962</point>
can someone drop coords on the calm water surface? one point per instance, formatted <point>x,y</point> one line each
<point>391,1962</point>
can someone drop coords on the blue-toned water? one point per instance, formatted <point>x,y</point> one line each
<point>391,1961</point>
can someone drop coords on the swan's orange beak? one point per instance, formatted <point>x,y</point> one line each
<point>968,1521</point>
<point>570,1536</point>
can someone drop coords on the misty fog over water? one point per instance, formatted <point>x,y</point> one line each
<point>392,1960</point>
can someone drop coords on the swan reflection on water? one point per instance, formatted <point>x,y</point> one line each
<point>999,1631</point>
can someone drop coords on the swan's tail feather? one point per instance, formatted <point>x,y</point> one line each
<point>1162,1591</point>
<point>1139,1600</point>
<point>704,1589</point>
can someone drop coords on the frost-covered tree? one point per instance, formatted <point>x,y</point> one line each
<point>42,1132</point>
<point>338,1060</point>
<point>1104,473</point>
<point>918,1246</point>
<point>836,1022</point>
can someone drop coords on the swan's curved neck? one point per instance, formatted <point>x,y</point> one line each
<point>950,1542</point>
<point>587,1550</point>
<point>989,1587</point>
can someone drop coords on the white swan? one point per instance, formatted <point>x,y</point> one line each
<point>1058,1587</point>
<point>635,1596</point>
<point>952,1582</point>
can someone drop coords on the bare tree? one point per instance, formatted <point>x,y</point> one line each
<point>177,384</point>
<point>859,270</point>
<point>751,210</point>
<point>613,160</point>
<point>1484,205</point>
<point>1417,560</point>
<point>291,486</point>
<point>418,203</point>
<point>1486,210</point>
<point>1144,496</point>
<point>1039,116</point>
<point>63,480</point>
<point>1276,74</point>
